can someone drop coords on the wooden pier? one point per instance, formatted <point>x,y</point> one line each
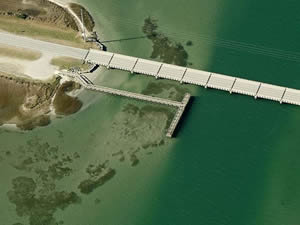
<point>88,84</point>
<point>178,115</point>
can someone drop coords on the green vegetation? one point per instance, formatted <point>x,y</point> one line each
<point>39,11</point>
<point>40,19</point>
<point>25,102</point>
<point>65,104</point>
<point>146,110</point>
<point>38,30</point>
<point>189,43</point>
<point>87,186</point>
<point>87,18</point>
<point>163,47</point>
<point>35,194</point>
<point>166,89</point>
<point>68,62</point>
<point>19,53</point>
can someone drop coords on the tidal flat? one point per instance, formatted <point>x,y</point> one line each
<point>27,103</point>
<point>164,48</point>
<point>71,162</point>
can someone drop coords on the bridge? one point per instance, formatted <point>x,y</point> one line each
<point>88,84</point>
<point>155,69</point>
<point>206,79</point>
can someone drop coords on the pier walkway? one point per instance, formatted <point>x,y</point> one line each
<point>88,84</point>
<point>192,76</point>
<point>178,115</point>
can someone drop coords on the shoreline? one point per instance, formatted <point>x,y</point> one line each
<point>66,6</point>
<point>37,103</point>
<point>38,65</point>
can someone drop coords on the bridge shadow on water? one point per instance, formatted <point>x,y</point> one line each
<point>94,68</point>
<point>184,116</point>
<point>125,39</point>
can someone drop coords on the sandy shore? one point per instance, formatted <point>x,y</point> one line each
<point>40,69</point>
<point>31,75</point>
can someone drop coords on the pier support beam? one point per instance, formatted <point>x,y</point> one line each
<point>257,91</point>
<point>208,80</point>
<point>136,61</point>
<point>88,52</point>
<point>178,115</point>
<point>282,96</point>
<point>156,76</point>
<point>110,61</point>
<point>232,86</point>
<point>183,75</point>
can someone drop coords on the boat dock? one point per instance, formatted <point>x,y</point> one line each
<point>178,115</point>
<point>88,84</point>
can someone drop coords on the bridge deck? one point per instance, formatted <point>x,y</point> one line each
<point>159,70</point>
<point>178,115</point>
<point>197,77</point>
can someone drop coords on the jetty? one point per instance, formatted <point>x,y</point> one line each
<point>88,84</point>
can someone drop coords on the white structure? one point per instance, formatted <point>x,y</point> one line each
<point>159,70</point>
<point>197,77</point>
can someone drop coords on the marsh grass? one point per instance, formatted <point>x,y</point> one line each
<point>87,18</point>
<point>19,53</point>
<point>65,104</point>
<point>42,31</point>
<point>68,62</point>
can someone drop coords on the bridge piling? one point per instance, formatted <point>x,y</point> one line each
<point>134,65</point>
<point>282,96</point>
<point>183,75</point>
<point>208,80</point>
<point>86,56</point>
<point>257,91</point>
<point>156,76</point>
<point>108,65</point>
<point>232,86</point>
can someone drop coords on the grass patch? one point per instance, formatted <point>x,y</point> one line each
<point>39,10</point>
<point>25,102</point>
<point>65,104</point>
<point>87,18</point>
<point>164,48</point>
<point>166,89</point>
<point>19,53</point>
<point>68,62</point>
<point>42,31</point>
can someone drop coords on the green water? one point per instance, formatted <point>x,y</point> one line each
<point>235,161</point>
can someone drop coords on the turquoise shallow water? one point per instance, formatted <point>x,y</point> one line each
<point>235,160</point>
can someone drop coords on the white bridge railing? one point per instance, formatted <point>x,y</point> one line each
<point>192,76</point>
